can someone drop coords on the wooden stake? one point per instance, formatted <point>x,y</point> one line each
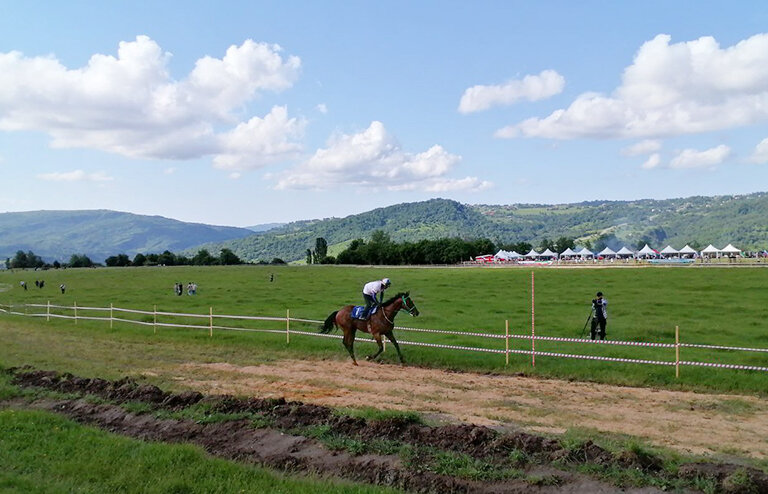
<point>210,320</point>
<point>677,352</point>
<point>288,326</point>
<point>48,312</point>
<point>111,316</point>
<point>533,322</point>
<point>154,320</point>
<point>506,340</point>
<point>75,306</point>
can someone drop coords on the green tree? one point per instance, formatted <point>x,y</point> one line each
<point>321,250</point>
<point>309,256</point>
<point>117,261</point>
<point>139,259</point>
<point>80,261</point>
<point>203,258</point>
<point>228,258</point>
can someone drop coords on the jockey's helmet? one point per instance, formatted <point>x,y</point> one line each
<point>386,282</point>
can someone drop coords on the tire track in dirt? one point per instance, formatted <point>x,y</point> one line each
<point>698,423</point>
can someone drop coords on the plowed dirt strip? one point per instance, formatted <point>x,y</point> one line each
<point>690,422</point>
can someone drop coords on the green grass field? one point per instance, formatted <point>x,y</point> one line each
<point>715,306</point>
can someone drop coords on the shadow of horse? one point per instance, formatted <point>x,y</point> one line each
<point>382,323</point>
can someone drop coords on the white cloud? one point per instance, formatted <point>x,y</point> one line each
<point>670,89</point>
<point>169,171</point>
<point>653,161</point>
<point>75,176</point>
<point>261,141</point>
<point>647,146</point>
<point>761,152</point>
<point>130,105</point>
<point>691,158</point>
<point>531,88</point>
<point>373,158</point>
<point>322,108</point>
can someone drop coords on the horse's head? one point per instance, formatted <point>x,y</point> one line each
<point>408,304</point>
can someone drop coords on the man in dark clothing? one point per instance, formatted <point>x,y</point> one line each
<point>600,316</point>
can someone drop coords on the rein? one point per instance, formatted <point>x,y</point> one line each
<point>404,307</point>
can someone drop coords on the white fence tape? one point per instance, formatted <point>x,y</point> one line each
<point>9,309</point>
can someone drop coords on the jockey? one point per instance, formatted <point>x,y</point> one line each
<point>370,290</point>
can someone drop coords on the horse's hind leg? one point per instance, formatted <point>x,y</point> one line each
<point>349,342</point>
<point>391,337</point>
<point>377,337</point>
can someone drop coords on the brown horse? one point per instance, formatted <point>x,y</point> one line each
<point>380,323</point>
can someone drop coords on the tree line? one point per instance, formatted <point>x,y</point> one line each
<point>380,249</point>
<point>29,260</point>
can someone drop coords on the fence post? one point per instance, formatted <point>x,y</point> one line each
<point>288,326</point>
<point>533,322</point>
<point>506,341</point>
<point>677,351</point>
<point>111,316</point>
<point>48,312</point>
<point>210,320</point>
<point>75,307</point>
<point>154,320</point>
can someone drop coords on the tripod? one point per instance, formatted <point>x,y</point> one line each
<point>591,313</point>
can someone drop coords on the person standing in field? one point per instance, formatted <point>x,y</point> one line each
<point>600,319</point>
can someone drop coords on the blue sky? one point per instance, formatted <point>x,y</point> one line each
<point>240,113</point>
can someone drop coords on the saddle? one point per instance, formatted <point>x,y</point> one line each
<point>357,311</point>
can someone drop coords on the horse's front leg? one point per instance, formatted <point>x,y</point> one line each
<point>391,336</point>
<point>349,343</point>
<point>377,337</point>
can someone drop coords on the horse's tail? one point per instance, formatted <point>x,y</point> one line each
<point>329,323</point>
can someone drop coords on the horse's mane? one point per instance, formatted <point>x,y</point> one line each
<point>397,296</point>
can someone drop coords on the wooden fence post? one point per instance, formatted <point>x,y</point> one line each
<point>506,341</point>
<point>48,312</point>
<point>75,307</point>
<point>154,323</point>
<point>288,326</point>
<point>210,320</point>
<point>677,352</point>
<point>111,316</point>
<point>533,322</point>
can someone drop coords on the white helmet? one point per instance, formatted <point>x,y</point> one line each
<point>386,282</point>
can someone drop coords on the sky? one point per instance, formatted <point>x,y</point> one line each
<point>249,112</point>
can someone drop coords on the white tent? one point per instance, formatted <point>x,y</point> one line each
<point>568,252</point>
<point>710,251</point>
<point>607,252</point>
<point>502,255</point>
<point>669,251</point>
<point>647,252</point>
<point>730,249</point>
<point>584,252</point>
<point>548,253</point>
<point>624,252</point>
<point>514,255</point>
<point>532,254</point>
<point>687,251</point>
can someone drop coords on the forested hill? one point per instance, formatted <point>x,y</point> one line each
<point>56,235</point>
<point>697,221</point>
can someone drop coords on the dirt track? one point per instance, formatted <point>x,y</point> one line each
<point>689,422</point>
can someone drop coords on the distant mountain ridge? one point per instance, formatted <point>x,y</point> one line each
<point>738,219</point>
<point>56,235</point>
<point>699,221</point>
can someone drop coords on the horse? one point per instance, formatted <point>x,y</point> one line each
<point>378,324</point>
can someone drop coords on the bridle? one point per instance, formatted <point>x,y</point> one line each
<point>409,310</point>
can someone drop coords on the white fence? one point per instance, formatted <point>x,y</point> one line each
<point>213,322</point>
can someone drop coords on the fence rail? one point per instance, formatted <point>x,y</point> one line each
<point>56,311</point>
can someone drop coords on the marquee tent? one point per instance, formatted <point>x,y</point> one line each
<point>624,252</point>
<point>687,251</point>
<point>710,251</point>
<point>532,254</point>
<point>568,253</point>
<point>730,249</point>
<point>669,251</point>
<point>607,252</point>
<point>584,252</point>
<point>647,252</point>
<point>548,253</point>
<point>502,255</point>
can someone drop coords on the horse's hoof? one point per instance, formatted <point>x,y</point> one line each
<point>368,357</point>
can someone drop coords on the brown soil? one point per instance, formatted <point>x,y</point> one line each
<point>698,423</point>
<point>278,447</point>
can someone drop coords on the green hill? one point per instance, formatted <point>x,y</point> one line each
<point>56,235</point>
<point>698,221</point>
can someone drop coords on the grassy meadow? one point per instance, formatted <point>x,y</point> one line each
<point>715,306</point>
